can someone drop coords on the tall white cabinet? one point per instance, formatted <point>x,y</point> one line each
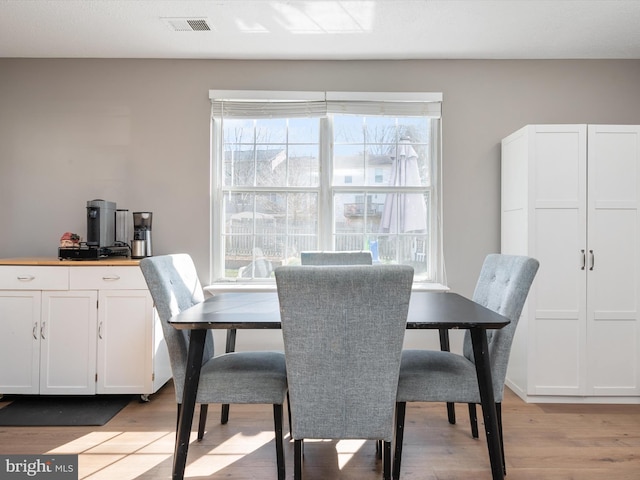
<point>571,199</point>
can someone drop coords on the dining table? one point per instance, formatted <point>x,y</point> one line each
<point>261,310</point>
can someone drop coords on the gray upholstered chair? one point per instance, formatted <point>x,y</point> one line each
<point>440,376</point>
<point>343,329</point>
<point>340,257</point>
<point>336,258</point>
<point>243,377</point>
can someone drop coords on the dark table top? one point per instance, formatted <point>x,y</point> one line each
<point>427,310</point>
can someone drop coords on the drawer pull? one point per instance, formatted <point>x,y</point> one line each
<point>111,278</point>
<point>26,278</point>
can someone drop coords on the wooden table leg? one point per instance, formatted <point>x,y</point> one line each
<point>192,378</point>
<point>485,384</point>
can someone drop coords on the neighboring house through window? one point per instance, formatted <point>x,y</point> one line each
<point>299,171</point>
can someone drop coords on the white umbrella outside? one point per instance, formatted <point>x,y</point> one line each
<point>404,212</point>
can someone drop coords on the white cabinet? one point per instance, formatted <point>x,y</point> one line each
<point>129,357</point>
<point>79,329</point>
<point>132,355</point>
<point>68,342</point>
<point>571,199</point>
<point>20,342</point>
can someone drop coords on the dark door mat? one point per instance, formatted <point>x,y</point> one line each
<point>43,411</point>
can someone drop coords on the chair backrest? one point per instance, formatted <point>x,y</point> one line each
<point>336,258</point>
<point>503,286</point>
<point>343,330</point>
<point>174,286</point>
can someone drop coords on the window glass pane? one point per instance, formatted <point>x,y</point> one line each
<point>303,166</point>
<point>380,131</point>
<point>239,165</point>
<point>357,212</point>
<point>271,161</point>
<point>266,229</point>
<point>250,234</point>
<point>394,226</point>
<point>239,213</point>
<point>404,249</point>
<point>348,129</point>
<point>300,225</point>
<point>238,131</point>
<point>388,144</point>
<point>348,162</point>
<point>271,130</point>
<point>404,213</point>
<point>304,130</point>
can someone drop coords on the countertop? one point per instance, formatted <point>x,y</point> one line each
<point>54,261</point>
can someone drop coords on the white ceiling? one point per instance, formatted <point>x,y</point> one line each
<point>323,29</point>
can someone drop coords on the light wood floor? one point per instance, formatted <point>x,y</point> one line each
<point>542,442</point>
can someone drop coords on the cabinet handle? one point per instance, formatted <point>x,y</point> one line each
<point>100,331</point>
<point>593,259</point>
<point>111,278</point>
<point>26,278</point>
<point>42,331</point>
<point>35,331</point>
<point>584,259</point>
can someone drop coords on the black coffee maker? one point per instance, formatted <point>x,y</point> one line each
<point>141,243</point>
<point>101,226</point>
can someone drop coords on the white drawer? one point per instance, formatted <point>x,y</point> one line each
<point>27,277</point>
<point>104,278</point>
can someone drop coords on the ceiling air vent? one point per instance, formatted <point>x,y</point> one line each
<point>187,24</point>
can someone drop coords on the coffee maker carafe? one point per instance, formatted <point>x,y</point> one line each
<point>141,244</point>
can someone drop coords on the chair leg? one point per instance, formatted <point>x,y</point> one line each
<point>289,414</point>
<point>179,405</point>
<point>386,461</point>
<point>204,408</point>
<point>473,420</point>
<point>297,459</point>
<point>277,426</point>
<point>401,408</point>
<point>224,414</point>
<point>451,412</point>
<point>201,422</point>
<point>229,347</point>
<point>444,346</point>
<point>379,449</point>
<point>499,415</point>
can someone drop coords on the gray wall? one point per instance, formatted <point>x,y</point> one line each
<point>137,132</point>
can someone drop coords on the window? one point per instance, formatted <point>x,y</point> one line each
<point>297,171</point>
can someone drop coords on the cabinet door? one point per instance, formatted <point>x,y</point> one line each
<point>558,334</point>
<point>125,341</point>
<point>19,342</point>
<point>614,260</point>
<point>68,342</point>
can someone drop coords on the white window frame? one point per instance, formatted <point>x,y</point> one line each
<point>370,103</point>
